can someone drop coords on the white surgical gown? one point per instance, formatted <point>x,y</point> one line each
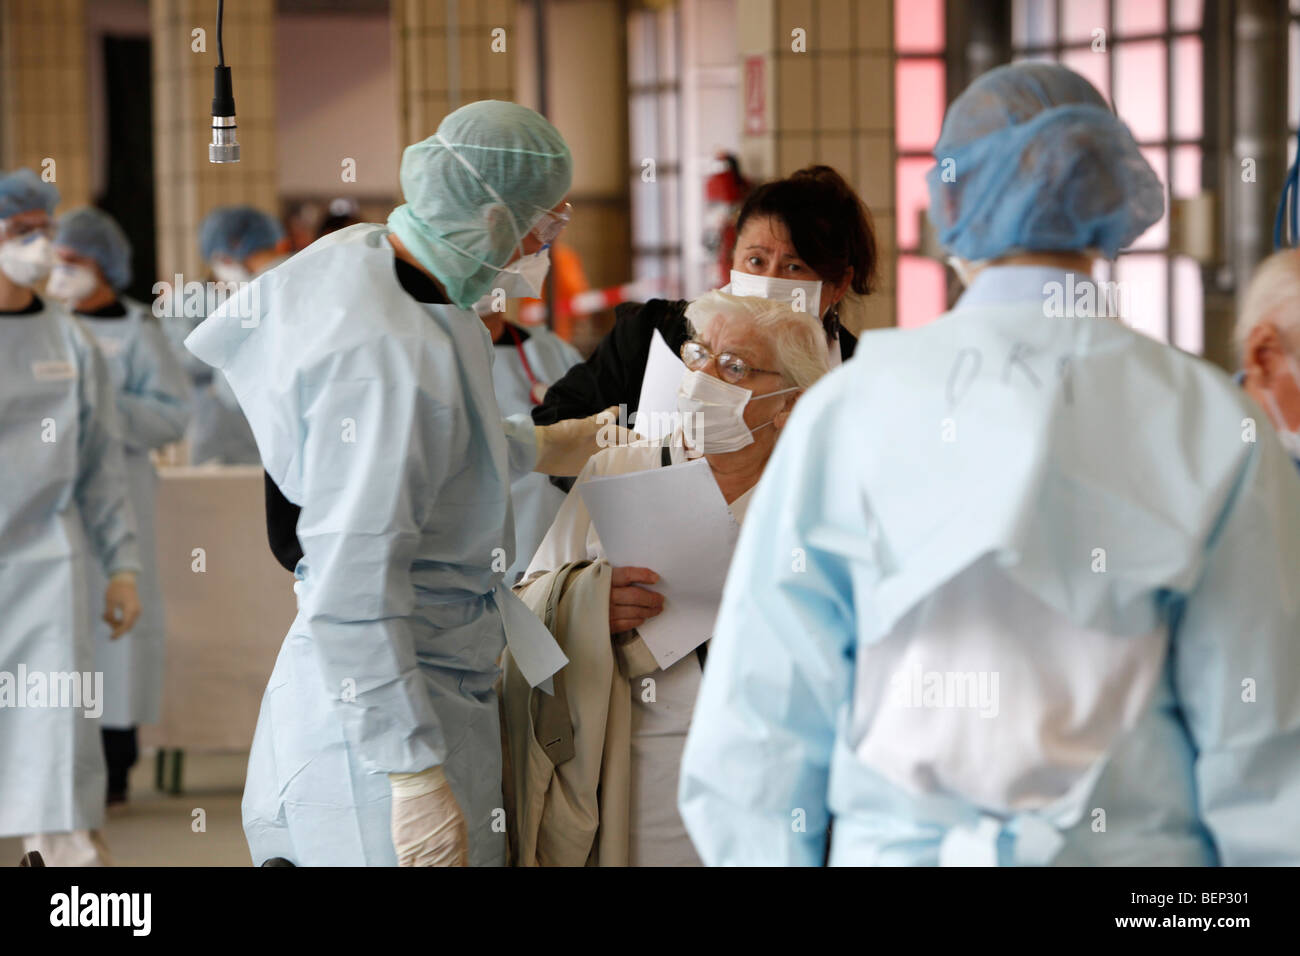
<point>1016,589</point>
<point>153,408</point>
<point>656,834</point>
<point>63,494</point>
<point>535,499</point>
<point>375,414</point>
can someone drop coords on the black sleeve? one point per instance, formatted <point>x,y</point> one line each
<point>848,343</point>
<point>282,526</point>
<point>613,374</point>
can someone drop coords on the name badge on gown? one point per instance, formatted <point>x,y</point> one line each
<point>53,370</point>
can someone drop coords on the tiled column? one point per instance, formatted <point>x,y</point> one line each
<point>187,185</point>
<point>43,94</point>
<point>824,95</point>
<point>449,53</point>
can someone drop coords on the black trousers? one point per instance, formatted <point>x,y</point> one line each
<point>121,750</point>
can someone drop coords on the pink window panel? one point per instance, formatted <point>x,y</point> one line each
<point>911,197</point>
<point>922,291</point>
<point>1185,179</point>
<point>1142,293</point>
<point>919,101</point>
<point>1187,14</point>
<point>1139,16</point>
<point>1188,122</point>
<point>1141,87</point>
<point>1081,17</point>
<point>918,26</point>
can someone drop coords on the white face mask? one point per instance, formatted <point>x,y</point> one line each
<point>779,290</point>
<point>27,260</point>
<point>523,278</point>
<point>228,270</point>
<point>713,413</point>
<point>72,283</point>
<point>1290,436</point>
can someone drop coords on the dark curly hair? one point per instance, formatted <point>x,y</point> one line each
<point>829,224</point>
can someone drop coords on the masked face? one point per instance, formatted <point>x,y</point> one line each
<point>713,413</point>
<point>71,283</point>
<point>523,278</point>
<point>803,296</point>
<point>27,259</point>
<point>228,270</point>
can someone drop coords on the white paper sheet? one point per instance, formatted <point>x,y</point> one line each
<point>656,409</point>
<point>675,522</point>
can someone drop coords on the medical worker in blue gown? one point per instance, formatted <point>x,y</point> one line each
<point>238,243</point>
<point>1057,619</point>
<point>525,362</point>
<point>367,379</point>
<point>63,496</point>
<point>92,266</point>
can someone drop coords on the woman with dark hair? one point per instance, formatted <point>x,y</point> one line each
<point>810,228</point>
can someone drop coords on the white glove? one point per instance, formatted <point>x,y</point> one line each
<point>563,448</point>
<point>427,826</point>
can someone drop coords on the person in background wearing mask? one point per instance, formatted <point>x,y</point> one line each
<point>1268,341</point>
<point>806,239</point>
<point>92,265</point>
<point>366,377</point>
<point>63,494</point>
<point>527,361</point>
<point>1053,587</point>
<point>238,243</point>
<point>748,361</point>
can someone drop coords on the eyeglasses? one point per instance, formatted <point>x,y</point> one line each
<point>732,368</point>
<point>551,224</point>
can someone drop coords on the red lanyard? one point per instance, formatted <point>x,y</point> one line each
<point>537,390</point>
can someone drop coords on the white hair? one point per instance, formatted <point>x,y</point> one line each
<point>1273,296</point>
<point>798,338</point>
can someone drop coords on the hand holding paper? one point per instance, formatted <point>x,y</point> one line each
<point>675,521</point>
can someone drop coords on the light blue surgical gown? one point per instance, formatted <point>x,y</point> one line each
<point>1092,479</point>
<point>376,415</point>
<point>534,498</point>
<point>218,432</point>
<point>63,495</point>
<point>153,408</point>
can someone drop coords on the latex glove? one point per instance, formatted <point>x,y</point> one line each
<point>427,826</point>
<point>631,606</point>
<point>563,448</point>
<point>121,603</point>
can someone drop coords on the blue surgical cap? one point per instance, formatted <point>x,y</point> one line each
<point>475,188</point>
<point>22,191</point>
<point>94,234</point>
<point>1032,159</point>
<point>237,232</point>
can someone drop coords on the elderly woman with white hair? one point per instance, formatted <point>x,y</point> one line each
<point>748,361</point>
<point>1268,341</point>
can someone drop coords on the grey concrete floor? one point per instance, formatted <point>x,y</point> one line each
<point>156,829</point>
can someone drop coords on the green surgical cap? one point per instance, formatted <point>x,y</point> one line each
<point>475,188</point>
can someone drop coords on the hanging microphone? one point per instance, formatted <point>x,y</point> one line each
<point>224,148</point>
